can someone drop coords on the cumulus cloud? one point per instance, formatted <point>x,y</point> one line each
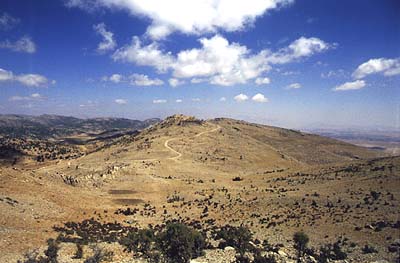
<point>241,97</point>
<point>178,101</point>
<point>302,47</point>
<point>25,44</point>
<point>150,55</point>
<point>32,97</point>
<point>189,16</point>
<point>389,67</point>
<point>144,80</point>
<point>134,79</point>
<point>217,61</point>
<point>108,42</point>
<point>198,80</point>
<point>30,80</point>
<point>294,86</point>
<point>173,82</point>
<point>6,75</point>
<point>222,99</point>
<point>259,98</point>
<point>262,81</point>
<point>121,101</point>
<point>159,101</point>
<point>196,99</point>
<point>7,22</point>
<point>116,78</point>
<point>358,84</point>
<point>223,62</point>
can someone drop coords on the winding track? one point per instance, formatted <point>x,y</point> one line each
<point>178,154</point>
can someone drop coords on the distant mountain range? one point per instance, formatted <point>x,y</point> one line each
<point>55,126</point>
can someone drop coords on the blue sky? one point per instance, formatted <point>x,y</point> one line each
<point>289,63</point>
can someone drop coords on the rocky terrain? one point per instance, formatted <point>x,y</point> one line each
<point>242,192</point>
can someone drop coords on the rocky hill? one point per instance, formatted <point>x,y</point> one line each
<point>223,178</point>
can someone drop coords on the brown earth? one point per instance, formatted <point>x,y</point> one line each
<point>286,181</point>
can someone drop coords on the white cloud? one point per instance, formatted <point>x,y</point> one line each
<point>198,80</point>
<point>389,67</point>
<point>173,82</point>
<point>294,86</point>
<point>196,99</point>
<point>302,47</point>
<point>89,104</point>
<point>36,96</point>
<point>32,80</point>
<point>25,44</point>
<point>241,97</point>
<point>121,101</point>
<point>222,99</point>
<point>158,101</point>
<point>178,101</point>
<point>116,78</point>
<point>134,79</point>
<point>108,42</point>
<point>222,62</point>
<point>144,80</point>
<point>7,22</point>
<point>259,98</point>
<point>262,81</point>
<point>358,84</point>
<point>6,75</point>
<point>340,73</point>
<point>217,61</point>
<point>189,16</point>
<point>32,97</point>
<point>150,55</point>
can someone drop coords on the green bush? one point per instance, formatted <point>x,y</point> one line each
<point>331,252</point>
<point>264,259</point>
<point>140,241</point>
<point>79,251</point>
<point>179,243</point>
<point>237,237</point>
<point>52,250</point>
<point>367,249</point>
<point>99,255</point>
<point>300,242</point>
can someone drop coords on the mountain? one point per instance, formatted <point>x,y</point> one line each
<point>55,126</point>
<point>209,174</point>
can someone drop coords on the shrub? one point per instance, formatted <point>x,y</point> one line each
<point>52,250</point>
<point>237,237</point>
<point>99,255</point>
<point>300,242</point>
<point>79,251</point>
<point>331,252</point>
<point>264,259</point>
<point>242,259</point>
<point>179,243</point>
<point>33,257</point>
<point>140,241</point>
<point>367,249</point>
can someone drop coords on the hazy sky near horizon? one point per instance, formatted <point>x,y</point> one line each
<point>291,63</point>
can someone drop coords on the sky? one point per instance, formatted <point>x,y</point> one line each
<point>289,63</point>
